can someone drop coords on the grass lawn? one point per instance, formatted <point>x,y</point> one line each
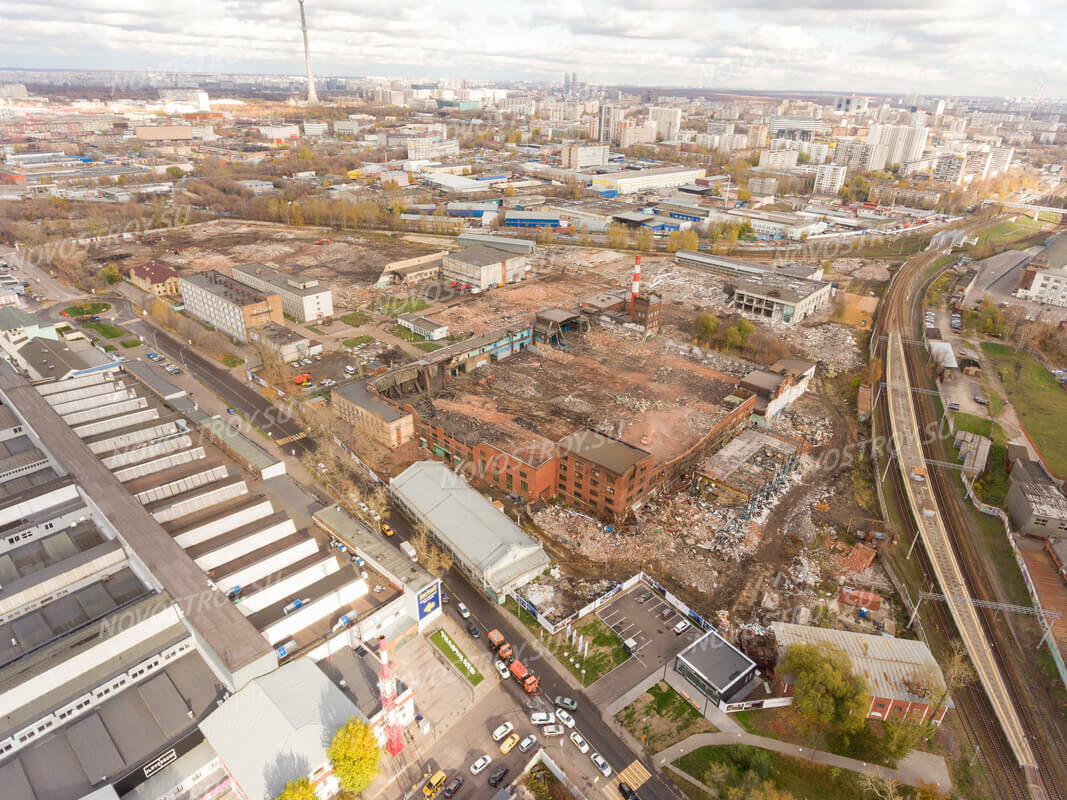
<point>605,648</point>
<point>726,765</point>
<point>105,329</point>
<point>128,343</point>
<point>662,717</point>
<point>786,725</point>
<point>87,309</point>
<point>316,330</point>
<point>356,341</point>
<point>992,485</point>
<point>231,360</point>
<point>110,348</point>
<point>356,319</point>
<point>972,423</point>
<point>1039,401</point>
<point>690,790</point>
<point>456,656</point>
<point>429,347</point>
<point>1009,231</point>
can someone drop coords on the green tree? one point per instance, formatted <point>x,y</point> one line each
<point>299,789</point>
<point>175,172</point>
<point>733,338</point>
<point>708,326</point>
<point>644,239</point>
<point>745,328</point>
<point>354,755</point>
<point>825,688</point>
<point>900,737</point>
<point>111,273</point>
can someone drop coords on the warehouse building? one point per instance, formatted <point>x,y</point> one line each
<point>902,675</point>
<point>645,180</point>
<point>229,305</point>
<point>780,297</point>
<point>1035,503</point>
<point>302,298</point>
<point>747,470</point>
<point>362,408</point>
<point>483,267</point>
<point>492,550</point>
<point>287,343</point>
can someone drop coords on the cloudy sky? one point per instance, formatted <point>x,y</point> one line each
<point>925,46</point>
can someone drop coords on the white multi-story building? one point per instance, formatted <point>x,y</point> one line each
<point>304,299</point>
<point>778,159</point>
<point>851,104</point>
<point>579,156</point>
<point>668,122</point>
<point>279,132</point>
<point>829,178</point>
<point>817,152</point>
<point>1042,282</point>
<point>644,180</point>
<point>860,156</point>
<point>721,128</point>
<point>1000,159</point>
<point>227,304</point>
<point>631,133</point>
<point>425,148</point>
<point>902,142</point>
<point>950,168</point>
<point>316,129</point>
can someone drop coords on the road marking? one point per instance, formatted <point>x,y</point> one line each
<point>635,775</point>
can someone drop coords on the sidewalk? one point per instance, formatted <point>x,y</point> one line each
<point>915,769</point>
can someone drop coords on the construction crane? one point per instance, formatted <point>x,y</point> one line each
<point>1041,613</point>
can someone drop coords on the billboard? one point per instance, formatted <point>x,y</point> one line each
<point>429,600</point>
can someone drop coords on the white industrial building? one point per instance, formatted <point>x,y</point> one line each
<point>581,156</point>
<point>644,180</point>
<point>497,554</point>
<point>483,266</point>
<point>302,298</point>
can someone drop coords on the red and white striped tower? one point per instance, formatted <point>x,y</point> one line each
<point>394,743</point>
<point>636,287</point>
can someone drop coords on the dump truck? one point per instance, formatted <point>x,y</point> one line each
<point>526,679</point>
<point>499,645</point>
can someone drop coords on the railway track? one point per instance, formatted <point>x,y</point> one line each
<point>900,313</point>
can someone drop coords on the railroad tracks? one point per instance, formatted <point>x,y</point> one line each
<point>982,727</point>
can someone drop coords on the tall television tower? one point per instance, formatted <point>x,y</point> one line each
<point>313,98</point>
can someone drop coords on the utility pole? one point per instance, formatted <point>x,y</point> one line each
<point>313,98</point>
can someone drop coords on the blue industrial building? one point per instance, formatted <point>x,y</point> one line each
<point>530,219</point>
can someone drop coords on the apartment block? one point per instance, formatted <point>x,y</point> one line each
<point>304,299</point>
<point>778,159</point>
<point>668,122</point>
<point>829,178</point>
<point>229,305</point>
<point>578,156</point>
<point>861,156</point>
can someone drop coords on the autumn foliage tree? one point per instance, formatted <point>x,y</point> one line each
<point>825,688</point>
<point>354,754</point>
<point>299,789</point>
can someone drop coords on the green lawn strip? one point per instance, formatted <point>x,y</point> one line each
<point>231,360</point>
<point>356,319</point>
<point>105,329</point>
<point>691,790</point>
<point>457,656</point>
<point>972,423</point>
<point>395,306</point>
<point>87,309</point>
<point>992,485</point>
<point>316,330</point>
<point>802,779</point>
<point>128,343</point>
<point>1038,400</point>
<point>110,348</point>
<point>429,347</point>
<point>356,341</point>
<point>662,717</point>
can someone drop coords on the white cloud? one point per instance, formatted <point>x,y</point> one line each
<point>935,46</point>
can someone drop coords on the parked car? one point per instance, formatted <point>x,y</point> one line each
<point>433,784</point>
<point>527,743</point>
<point>542,718</point>
<point>552,730</point>
<point>502,669</point>
<point>680,628</point>
<point>453,786</point>
<point>980,400</point>
<point>364,507</point>
<point>601,764</point>
<point>230,411</point>
<point>502,731</point>
<point>953,406</point>
<point>579,742</point>
<point>508,744</point>
<point>666,613</point>
<point>498,776</point>
<point>565,718</point>
<point>480,764</point>
<point>566,702</point>
<point>463,610</point>
<point>644,597</point>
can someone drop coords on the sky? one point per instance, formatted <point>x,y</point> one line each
<point>952,47</point>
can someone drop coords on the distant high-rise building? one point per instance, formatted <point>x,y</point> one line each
<point>566,83</point>
<point>860,156</point>
<point>829,178</point>
<point>668,122</point>
<point>851,104</point>
<point>902,142</point>
<point>610,117</point>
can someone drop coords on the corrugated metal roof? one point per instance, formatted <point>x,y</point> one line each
<point>885,661</point>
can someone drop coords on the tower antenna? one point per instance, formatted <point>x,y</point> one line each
<point>313,98</point>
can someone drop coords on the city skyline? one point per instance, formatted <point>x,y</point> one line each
<point>821,45</point>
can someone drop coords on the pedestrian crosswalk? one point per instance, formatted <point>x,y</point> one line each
<point>633,776</point>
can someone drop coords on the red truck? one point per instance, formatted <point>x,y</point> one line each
<point>526,679</point>
<point>499,645</point>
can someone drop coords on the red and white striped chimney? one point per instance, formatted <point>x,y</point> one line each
<point>635,289</point>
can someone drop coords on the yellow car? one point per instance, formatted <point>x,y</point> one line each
<point>434,784</point>
<point>387,530</point>
<point>507,745</point>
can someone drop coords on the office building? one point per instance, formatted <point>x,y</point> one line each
<point>424,148</point>
<point>316,129</point>
<point>1044,278</point>
<point>361,407</point>
<point>668,122</point>
<point>229,305</point>
<point>716,669</point>
<point>579,156</point>
<point>304,299</point>
<point>781,297</point>
<point>156,278</point>
<point>829,178</point>
<point>279,133</point>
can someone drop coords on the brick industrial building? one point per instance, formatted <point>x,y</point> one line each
<point>229,305</point>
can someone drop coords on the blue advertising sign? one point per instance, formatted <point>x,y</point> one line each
<point>429,600</point>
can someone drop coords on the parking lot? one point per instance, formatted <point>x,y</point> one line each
<point>328,367</point>
<point>650,625</point>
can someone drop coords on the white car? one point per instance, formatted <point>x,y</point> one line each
<point>552,730</point>
<point>542,718</point>
<point>480,764</point>
<point>502,731</point>
<point>565,718</point>
<point>579,742</point>
<point>601,764</point>
<point>375,515</point>
<point>502,669</point>
<point>364,507</point>
<point>464,611</point>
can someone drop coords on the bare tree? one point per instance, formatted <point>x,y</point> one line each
<point>879,788</point>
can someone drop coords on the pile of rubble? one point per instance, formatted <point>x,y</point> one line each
<point>812,426</point>
<point>832,345</point>
<point>734,366</point>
